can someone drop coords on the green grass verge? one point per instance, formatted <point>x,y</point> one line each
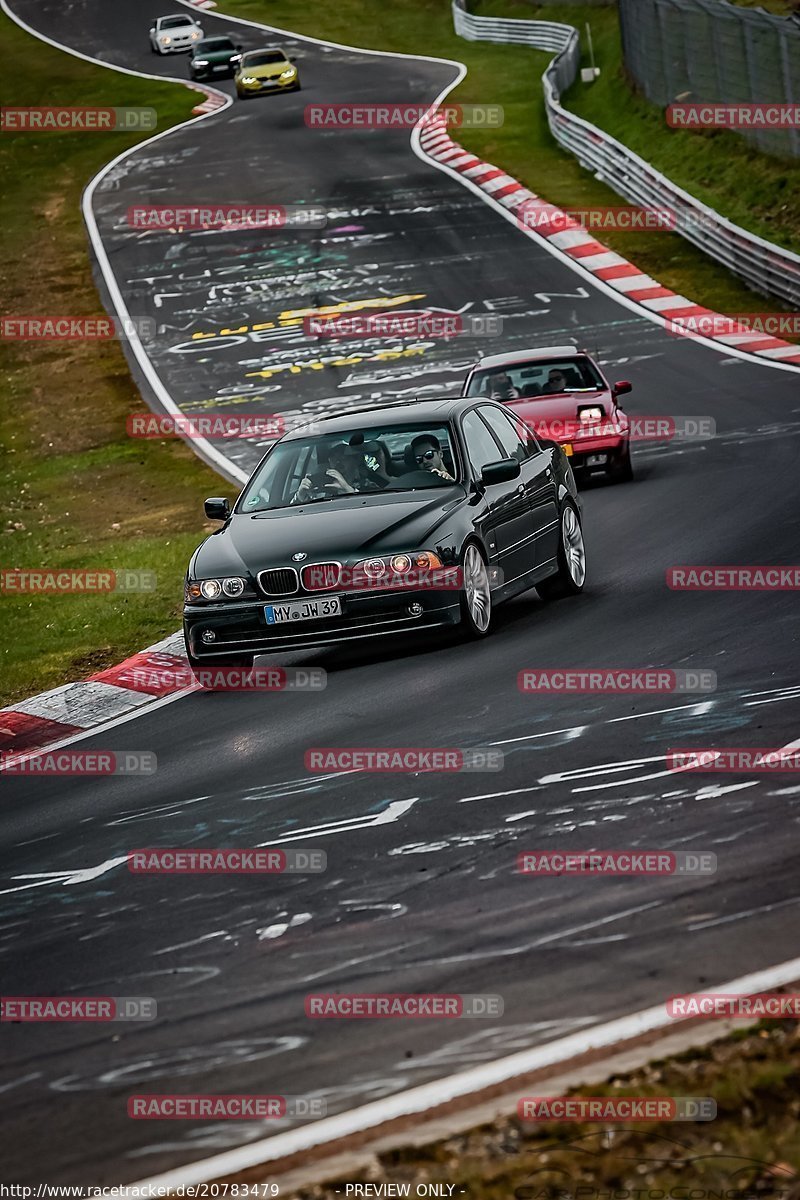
<point>510,76</point>
<point>751,1149</point>
<point>81,494</point>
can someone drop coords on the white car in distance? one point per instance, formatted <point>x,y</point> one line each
<point>174,34</point>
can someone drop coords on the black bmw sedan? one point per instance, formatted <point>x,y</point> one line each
<point>388,519</point>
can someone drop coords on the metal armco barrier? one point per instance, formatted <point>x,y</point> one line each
<point>764,266</point>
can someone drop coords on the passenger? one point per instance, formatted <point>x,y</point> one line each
<point>501,388</point>
<point>426,453</point>
<point>374,467</point>
<point>340,478</point>
<point>556,383</point>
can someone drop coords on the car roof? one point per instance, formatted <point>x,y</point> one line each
<point>530,355</point>
<point>403,412</point>
<point>183,16</point>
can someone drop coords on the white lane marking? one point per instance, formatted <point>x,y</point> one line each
<point>67,878</point>
<point>494,795</point>
<point>210,453</point>
<point>393,812</point>
<point>700,707</point>
<point>574,732</point>
<point>740,916</point>
<point>418,1100</point>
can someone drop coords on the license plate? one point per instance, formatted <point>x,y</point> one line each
<point>224,67</point>
<point>567,449</point>
<point>302,610</point>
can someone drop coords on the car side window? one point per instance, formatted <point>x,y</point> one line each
<point>481,446</point>
<point>504,429</point>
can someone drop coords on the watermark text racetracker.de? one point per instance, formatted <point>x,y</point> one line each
<point>227,1107</point>
<point>208,217</point>
<point>615,680</point>
<point>214,426</point>
<point>400,116</point>
<point>51,581</point>
<point>412,759</point>
<point>257,861</point>
<point>61,328</point>
<point>735,759</point>
<point>616,1108</point>
<point>71,1009</point>
<point>616,862</point>
<point>405,323</point>
<point>590,423</point>
<point>79,762</point>
<point>401,1005</point>
<point>78,119</point>
<point>698,577</point>
<point>160,679</point>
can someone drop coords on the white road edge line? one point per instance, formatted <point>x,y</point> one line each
<point>429,1095</point>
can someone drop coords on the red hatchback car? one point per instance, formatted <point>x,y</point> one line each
<point>562,394</point>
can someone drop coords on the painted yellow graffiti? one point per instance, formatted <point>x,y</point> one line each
<point>295,316</point>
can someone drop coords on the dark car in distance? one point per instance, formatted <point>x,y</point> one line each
<point>387,520</point>
<point>215,58</point>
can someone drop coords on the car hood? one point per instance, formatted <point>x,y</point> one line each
<point>217,56</point>
<point>268,71</point>
<point>344,529</point>
<point>559,411</point>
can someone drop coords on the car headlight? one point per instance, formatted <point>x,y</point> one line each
<point>590,413</point>
<point>288,73</point>
<point>165,38</point>
<point>398,564</point>
<point>199,62</point>
<point>249,79</point>
<point>195,35</point>
<point>213,589</point>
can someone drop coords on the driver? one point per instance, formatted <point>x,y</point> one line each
<point>501,387</point>
<point>340,478</point>
<point>556,383</point>
<point>426,452</point>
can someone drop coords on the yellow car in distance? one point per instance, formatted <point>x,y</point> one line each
<point>266,70</point>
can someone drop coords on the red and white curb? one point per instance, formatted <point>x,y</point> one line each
<point>214,99</point>
<point>40,721</point>
<point>572,239</point>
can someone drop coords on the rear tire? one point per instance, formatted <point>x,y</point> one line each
<point>476,598</point>
<point>570,578</point>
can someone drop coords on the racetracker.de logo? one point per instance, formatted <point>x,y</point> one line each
<point>401,1005</point>
<point>615,680</point>
<point>712,325</point>
<point>229,1107</point>
<point>84,119</point>
<point>696,578</point>
<point>402,116</point>
<point>407,323</point>
<point>548,219</point>
<point>399,759</point>
<point>762,760</point>
<point>74,329</point>
<point>80,762</point>
<point>159,679</point>
<point>733,116</point>
<point>732,1005</point>
<point>78,583</point>
<point>622,1109</point>
<point>154,425</point>
<point>616,862</point>
<point>590,423</point>
<point>70,1009</point>
<point>259,861</point>
<point>209,216</point>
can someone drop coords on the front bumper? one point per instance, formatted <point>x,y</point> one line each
<point>605,451</point>
<point>241,627</point>
<point>268,85</point>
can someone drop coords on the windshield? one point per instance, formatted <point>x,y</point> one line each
<point>209,45</point>
<point>390,458</point>
<point>547,377</point>
<point>174,22</point>
<point>262,58</point>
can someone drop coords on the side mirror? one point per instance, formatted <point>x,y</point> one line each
<point>217,508</point>
<point>502,471</point>
<point>622,388</point>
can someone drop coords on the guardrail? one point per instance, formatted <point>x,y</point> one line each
<point>764,266</point>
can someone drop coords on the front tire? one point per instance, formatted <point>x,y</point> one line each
<point>476,599</point>
<point>570,578</point>
<point>622,470</point>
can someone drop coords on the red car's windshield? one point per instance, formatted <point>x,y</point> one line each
<point>541,378</point>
